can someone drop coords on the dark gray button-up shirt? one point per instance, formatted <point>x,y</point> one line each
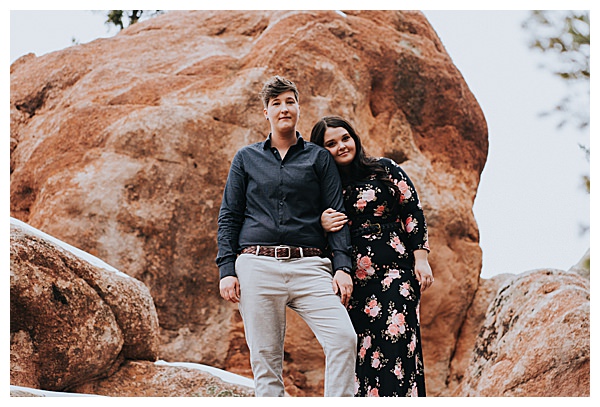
<point>269,202</point>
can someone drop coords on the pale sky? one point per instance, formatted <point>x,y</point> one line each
<point>531,202</point>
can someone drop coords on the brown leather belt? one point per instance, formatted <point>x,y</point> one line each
<point>282,252</point>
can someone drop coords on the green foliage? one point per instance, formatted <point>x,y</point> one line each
<point>564,36</point>
<point>124,18</point>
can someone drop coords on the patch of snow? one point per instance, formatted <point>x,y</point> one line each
<point>222,374</point>
<point>75,251</point>
<point>48,393</point>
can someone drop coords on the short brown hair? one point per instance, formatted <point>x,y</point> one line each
<point>275,87</point>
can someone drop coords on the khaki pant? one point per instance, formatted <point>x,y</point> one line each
<point>269,285</point>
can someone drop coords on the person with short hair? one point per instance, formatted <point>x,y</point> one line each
<point>271,247</point>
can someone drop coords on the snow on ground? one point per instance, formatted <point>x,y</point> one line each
<point>222,374</point>
<point>47,393</point>
<point>75,251</point>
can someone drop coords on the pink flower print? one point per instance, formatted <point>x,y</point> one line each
<point>368,195</point>
<point>372,308</point>
<point>375,362</point>
<point>387,281</point>
<point>410,224</point>
<point>361,274</point>
<point>362,352</point>
<point>379,211</point>
<point>360,204</point>
<point>356,384</point>
<point>405,289</point>
<point>414,392</point>
<point>398,318</point>
<point>413,343</point>
<point>364,265</point>
<point>398,370</point>
<point>398,322</point>
<point>366,343</point>
<point>397,245</point>
<point>396,326</point>
<point>373,392</point>
<point>405,190</point>
<point>374,311</point>
<point>363,262</point>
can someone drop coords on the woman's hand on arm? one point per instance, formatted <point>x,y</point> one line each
<point>333,221</point>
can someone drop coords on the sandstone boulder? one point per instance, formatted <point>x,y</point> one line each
<point>145,379</point>
<point>535,339</point>
<point>121,147</point>
<point>471,327</point>
<point>72,317</point>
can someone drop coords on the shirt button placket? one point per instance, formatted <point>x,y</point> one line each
<point>281,193</point>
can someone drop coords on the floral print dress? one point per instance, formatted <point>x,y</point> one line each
<point>385,302</point>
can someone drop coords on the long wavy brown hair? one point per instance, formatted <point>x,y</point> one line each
<point>363,166</point>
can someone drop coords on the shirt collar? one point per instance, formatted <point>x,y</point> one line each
<point>299,143</point>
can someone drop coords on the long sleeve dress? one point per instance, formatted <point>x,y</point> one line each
<point>384,308</point>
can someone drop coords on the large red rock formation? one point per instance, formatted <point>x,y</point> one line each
<point>121,148</point>
<point>72,318</point>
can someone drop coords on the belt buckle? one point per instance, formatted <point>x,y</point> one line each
<point>282,247</point>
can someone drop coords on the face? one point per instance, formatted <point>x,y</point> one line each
<point>283,112</point>
<point>340,144</point>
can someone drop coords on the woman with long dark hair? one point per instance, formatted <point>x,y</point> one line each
<point>391,270</point>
